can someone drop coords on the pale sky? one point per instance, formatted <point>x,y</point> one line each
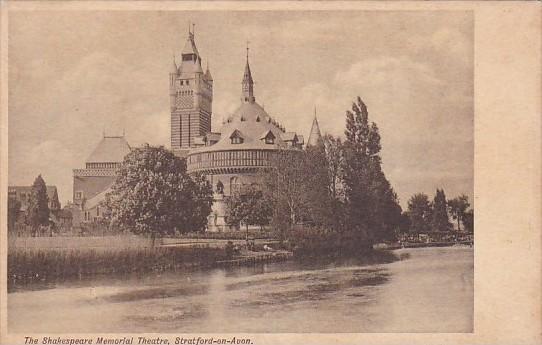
<point>72,74</point>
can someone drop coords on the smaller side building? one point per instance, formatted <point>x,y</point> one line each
<point>92,183</point>
<point>23,195</point>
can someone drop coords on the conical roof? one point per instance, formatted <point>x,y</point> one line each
<point>110,150</point>
<point>315,136</point>
<point>190,46</point>
<point>247,76</point>
<point>208,73</point>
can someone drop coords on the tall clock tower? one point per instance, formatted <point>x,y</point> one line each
<point>191,99</point>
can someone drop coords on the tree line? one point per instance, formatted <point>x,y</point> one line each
<point>425,216</point>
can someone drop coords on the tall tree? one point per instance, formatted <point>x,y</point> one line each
<point>283,186</point>
<point>419,211</point>
<point>154,195</point>
<point>14,207</point>
<point>37,212</point>
<point>458,206</point>
<point>318,186</point>
<point>440,220</point>
<point>369,196</point>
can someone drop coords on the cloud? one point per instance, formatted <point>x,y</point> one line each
<point>413,70</point>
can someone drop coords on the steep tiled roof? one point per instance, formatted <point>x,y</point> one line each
<point>251,120</point>
<point>110,150</point>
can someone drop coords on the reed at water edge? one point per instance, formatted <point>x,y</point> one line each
<point>27,266</point>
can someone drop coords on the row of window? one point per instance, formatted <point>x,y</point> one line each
<point>102,165</point>
<point>229,158</point>
<point>185,93</point>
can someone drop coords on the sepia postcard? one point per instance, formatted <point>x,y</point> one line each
<point>270,172</point>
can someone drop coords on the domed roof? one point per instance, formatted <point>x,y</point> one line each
<point>252,123</point>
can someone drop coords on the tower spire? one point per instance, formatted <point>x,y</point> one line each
<point>248,83</point>
<point>315,135</point>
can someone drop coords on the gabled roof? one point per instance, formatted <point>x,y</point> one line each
<point>289,136</point>
<point>110,150</point>
<point>51,190</point>
<point>236,134</point>
<point>267,134</point>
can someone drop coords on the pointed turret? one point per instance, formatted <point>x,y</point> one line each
<point>174,69</point>
<point>248,85</point>
<point>315,136</point>
<point>208,73</point>
<point>190,46</point>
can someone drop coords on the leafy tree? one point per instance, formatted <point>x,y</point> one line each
<point>458,206</point>
<point>419,211</point>
<point>440,221</point>
<point>249,207</point>
<point>14,207</point>
<point>318,186</point>
<point>371,204</point>
<point>154,195</point>
<point>283,185</point>
<point>404,226</point>
<point>334,152</point>
<point>37,212</point>
<point>468,221</point>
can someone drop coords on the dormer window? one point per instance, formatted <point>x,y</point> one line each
<point>268,137</point>
<point>236,137</point>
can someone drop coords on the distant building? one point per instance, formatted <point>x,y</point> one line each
<point>23,193</point>
<point>315,136</point>
<point>94,181</point>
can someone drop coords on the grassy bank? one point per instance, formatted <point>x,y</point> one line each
<point>30,266</point>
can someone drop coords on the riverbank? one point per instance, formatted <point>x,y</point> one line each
<point>27,266</point>
<point>394,246</point>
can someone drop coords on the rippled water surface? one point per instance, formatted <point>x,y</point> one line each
<point>430,290</point>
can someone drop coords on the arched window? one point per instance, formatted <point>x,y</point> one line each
<point>220,187</point>
<point>235,185</point>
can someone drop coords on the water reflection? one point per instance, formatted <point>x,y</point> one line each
<point>430,291</point>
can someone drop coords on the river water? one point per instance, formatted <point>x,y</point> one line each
<point>429,290</point>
